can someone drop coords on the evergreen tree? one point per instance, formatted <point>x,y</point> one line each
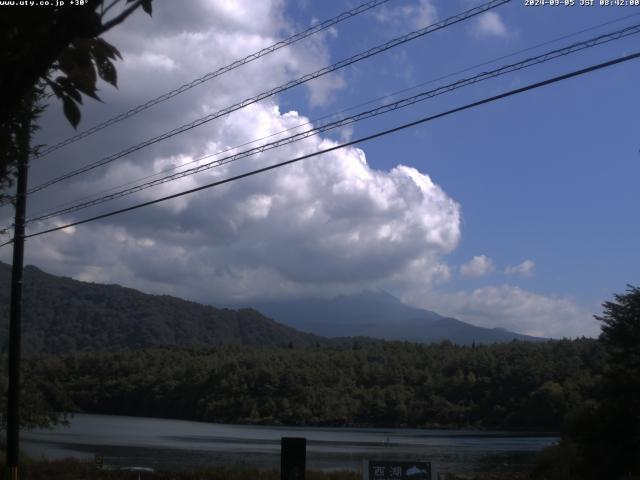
<point>621,382</point>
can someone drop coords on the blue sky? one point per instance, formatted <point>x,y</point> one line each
<point>550,175</point>
<point>517,214</point>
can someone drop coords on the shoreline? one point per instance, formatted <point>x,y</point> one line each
<point>488,432</point>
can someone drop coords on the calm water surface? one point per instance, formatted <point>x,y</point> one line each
<point>179,445</point>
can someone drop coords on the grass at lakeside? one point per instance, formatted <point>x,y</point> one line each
<point>71,469</point>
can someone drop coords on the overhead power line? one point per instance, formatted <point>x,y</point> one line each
<point>102,193</point>
<point>211,75</point>
<point>468,106</point>
<point>305,78</point>
<point>402,103</point>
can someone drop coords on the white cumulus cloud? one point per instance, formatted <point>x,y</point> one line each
<point>328,224</point>
<point>490,24</point>
<point>414,14</point>
<point>476,267</point>
<point>513,308</point>
<point>525,268</point>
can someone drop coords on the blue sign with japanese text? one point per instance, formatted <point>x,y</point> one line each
<point>391,470</point>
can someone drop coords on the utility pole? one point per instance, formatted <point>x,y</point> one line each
<point>23,139</point>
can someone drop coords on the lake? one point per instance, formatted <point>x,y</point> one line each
<point>183,445</point>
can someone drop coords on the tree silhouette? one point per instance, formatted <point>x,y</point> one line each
<point>57,47</point>
<point>601,439</point>
<point>621,381</point>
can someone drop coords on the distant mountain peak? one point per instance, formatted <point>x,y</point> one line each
<point>33,268</point>
<point>377,313</point>
<point>377,294</point>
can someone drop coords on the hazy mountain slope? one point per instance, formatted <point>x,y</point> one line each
<point>378,315</point>
<point>62,315</point>
<point>361,314</point>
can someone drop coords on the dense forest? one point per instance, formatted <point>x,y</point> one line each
<point>520,385</point>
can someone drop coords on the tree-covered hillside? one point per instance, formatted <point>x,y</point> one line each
<point>65,315</point>
<point>519,385</point>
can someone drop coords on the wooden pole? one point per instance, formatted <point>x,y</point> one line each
<point>23,139</point>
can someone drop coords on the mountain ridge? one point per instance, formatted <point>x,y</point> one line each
<point>380,315</point>
<point>64,315</point>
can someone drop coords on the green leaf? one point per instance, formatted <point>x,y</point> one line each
<point>81,58</point>
<point>85,81</point>
<point>102,49</point>
<point>89,91</point>
<point>69,89</point>
<point>77,63</point>
<point>108,72</point>
<point>57,90</point>
<point>71,111</point>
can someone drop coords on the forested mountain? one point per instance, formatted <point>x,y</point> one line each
<point>378,314</point>
<point>64,315</point>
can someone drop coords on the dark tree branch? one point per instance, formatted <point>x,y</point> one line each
<point>106,10</point>
<point>120,18</point>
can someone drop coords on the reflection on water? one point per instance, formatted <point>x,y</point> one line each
<point>176,444</point>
